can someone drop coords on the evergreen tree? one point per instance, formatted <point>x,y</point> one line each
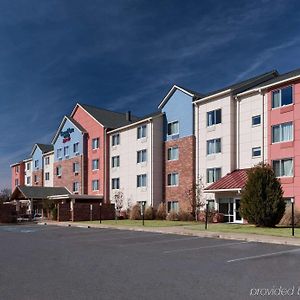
<point>262,203</point>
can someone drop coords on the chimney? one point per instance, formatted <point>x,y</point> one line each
<point>128,116</point>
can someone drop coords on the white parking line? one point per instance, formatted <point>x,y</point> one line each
<point>121,238</point>
<point>204,247</point>
<point>263,255</point>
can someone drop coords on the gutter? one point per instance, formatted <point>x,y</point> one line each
<point>213,96</point>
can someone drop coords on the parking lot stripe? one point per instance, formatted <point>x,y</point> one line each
<point>204,247</point>
<point>263,255</point>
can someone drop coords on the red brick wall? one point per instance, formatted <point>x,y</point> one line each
<point>40,178</point>
<point>20,175</point>
<point>185,166</point>
<point>68,176</point>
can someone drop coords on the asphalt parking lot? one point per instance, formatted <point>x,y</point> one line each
<point>51,262</point>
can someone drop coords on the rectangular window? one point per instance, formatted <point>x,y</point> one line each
<point>142,131</point>
<point>283,167</point>
<point>95,143</point>
<point>282,132</point>
<point>141,156</point>
<point>173,128</point>
<point>28,166</point>
<point>66,151</point>
<point>75,187</point>
<point>282,97</point>
<point>16,182</point>
<point>58,171</point>
<point>76,167</point>
<point>213,146</point>
<point>95,185</point>
<point>76,148</point>
<point>214,117</point>
<point>59,153</point>
<point>35,179</point>
<point>47,160</point>
<point>256,152</point>
<point>173,206</point>
<point>36,163</point>
<point>213,174</point>
<point>17,169</point>
<point>115,139</point>
<point>173,153</point>
<point>173,179</point>
<point>256,120</point>
<point>141,180</point>
<point>115,183</point>
<point>95,164</point>
<point>47,176</point>
<point>115,161</point>
<point>28,180</point>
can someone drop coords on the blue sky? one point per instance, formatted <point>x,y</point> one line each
<point>124,55</point>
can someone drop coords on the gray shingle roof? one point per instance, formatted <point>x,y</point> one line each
<point>45,148</point>
<point>39,192</point>
<point>107,118</point>
<point>198,95</point>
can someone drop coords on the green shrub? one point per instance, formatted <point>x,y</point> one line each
<point>262,203</point>
<point>149,213</point>
<point>287,217</point>
<point>135,213</point>
<point>172,216</point>
<point>161,213</point>
<point>54,213</point>
<point>185,216</point>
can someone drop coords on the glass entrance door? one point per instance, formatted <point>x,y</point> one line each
<point>230,208</point>
<point>237,216</point>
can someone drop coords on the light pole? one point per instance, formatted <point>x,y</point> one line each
<point>293,217</point>
<point>206,215</point>
<point>143,203</point>
<point>100,205</point>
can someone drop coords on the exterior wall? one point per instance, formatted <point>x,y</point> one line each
<point>68,176</point>
<point>38,175</point>
<point>226,130</point>
<point>185,167</point>
<point>17,173</point>
<point>95,130</point>
<point>129,168</point>
<point>251,136</point>
<point>48,169</point>
<point>291,185</point>
<point>28,172</point>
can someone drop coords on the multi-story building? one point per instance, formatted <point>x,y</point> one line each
<point>28,172</point>
<point>136,161</point>
<point>17,174</point>
<point>48,174</point>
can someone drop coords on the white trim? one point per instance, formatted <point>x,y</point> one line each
<point>73,196</point>
<point>213,96</point>
<point>171,92</point>
<point>222,190</point>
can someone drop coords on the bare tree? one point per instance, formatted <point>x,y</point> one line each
<point>196,197</point>
<point>5,195</point>
<point>118,200</point>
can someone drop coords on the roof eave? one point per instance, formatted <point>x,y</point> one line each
<point>222,93</point>
<point>223,190</point>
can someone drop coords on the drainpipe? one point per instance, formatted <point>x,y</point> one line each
<point>237,133</point>
<point>151,164</point>
<point>105,191</point>
<point>263,127</point>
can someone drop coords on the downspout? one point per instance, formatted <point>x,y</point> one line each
<point>237,133</point>
<point>151,164</point>
<point>105,166</point>
<point>83,155</point>
<point>263,127</point>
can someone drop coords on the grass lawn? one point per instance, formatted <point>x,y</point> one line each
<point>219,227</point>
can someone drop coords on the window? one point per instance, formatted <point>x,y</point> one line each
<point>17,169</point>
<point>283,167</point>
<point>36,163</point>
<point>282,97</point>
<point>213,174</point>
<point>95,185</point>
<point>141,156</point>
<point>115,183</point>
<point>59,153</point>
<point>76,148</point>
<point>173,206</point>
<point>213,146</point>
<point>28,180</point>
<point>47,160</point>
<point>95,164</point>
<point>256,152</point>
<point>16,182</point>
<point>173,179</point>
<point>47,176</point>
<point>115,161</point>
<point>173,128</point>
<point>35,179</point>
<point>173,153</point>
<point>95,143</point>
<point>142,131</point>
<point>115,139</point>
<point>66,151</point>
<point>256,120</point>
<point>58,171</point>
<point>76,167</point>
<point>75,186</point>
<point>28,166</point>
<point>141,180</point>
<point>282,132</point>
<point>214,117</point>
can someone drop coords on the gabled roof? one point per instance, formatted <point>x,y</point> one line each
<point>235,180</point>
<point>107,118</point>
<point>182,89</point>
<point>44,148</point>
<point>244,85</point>
<point>37,192</point>
<point>75,123</point>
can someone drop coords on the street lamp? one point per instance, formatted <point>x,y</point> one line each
<point>100,206</point>
<point>206,215</point>
<point>293,216</point>
<point>143,203</point>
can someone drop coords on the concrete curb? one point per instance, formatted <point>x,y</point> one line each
<point>188,232</point>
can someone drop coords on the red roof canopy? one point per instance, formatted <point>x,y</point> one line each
<point>234,180</point>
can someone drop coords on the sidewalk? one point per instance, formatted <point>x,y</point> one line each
<point>180,230</point>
